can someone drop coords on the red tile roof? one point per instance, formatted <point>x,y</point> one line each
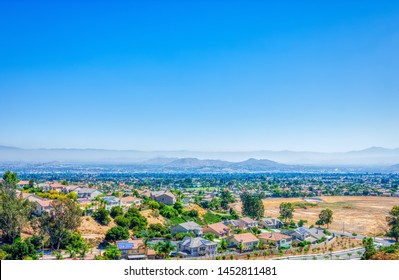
<point>245,237</point>
<point>273,236</point>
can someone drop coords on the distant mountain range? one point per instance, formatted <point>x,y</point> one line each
<point>218,165</point>
<point>374,156</point>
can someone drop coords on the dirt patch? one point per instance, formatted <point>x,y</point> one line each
<point>149,214</point>
<point>90,229</point>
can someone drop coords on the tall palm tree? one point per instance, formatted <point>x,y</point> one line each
<point>167,247</point>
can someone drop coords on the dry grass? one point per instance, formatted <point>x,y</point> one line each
<point>149,214</point>
<point>90,229</point>
<point>363,215</point>
<point>201,211</point>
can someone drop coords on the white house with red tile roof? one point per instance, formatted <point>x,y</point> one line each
<point>43,205</point>
<point>218,229</point>
<point>248,240</point>
<point>281,240</point>
<point>22,184</point>
<point>128,201</point>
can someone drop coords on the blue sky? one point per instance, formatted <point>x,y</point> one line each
<point>204,75</point>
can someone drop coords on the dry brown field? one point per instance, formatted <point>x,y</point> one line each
<point>360,214</point>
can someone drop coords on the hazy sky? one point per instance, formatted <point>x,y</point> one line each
<point>209,75</point>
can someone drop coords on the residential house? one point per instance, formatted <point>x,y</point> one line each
<point>280,240</point>
<point>68,189</point>
<point>22,184</point>
<point>42,205</point>
<point>88,193</point>
<point>112,201</point>
<point>132,249</point>
<point>25,195</point>
<point>44,186</point>
<point>231,223</point>
<point>164,197</point>
<point>270,223</point>
<point>317,234</point>
<point>146,193</point>
<point>248,241</point>
<point>219,230</point>
<point>247,223</point>
<point>298,234</point>
<point>187,227</point>
<point>87,206</point>
<point>129,201</point>
<point>55,186</point>
<point>151,254</point>
<point>196,247</point>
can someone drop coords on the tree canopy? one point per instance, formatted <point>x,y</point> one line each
<point>287,211</point>
<point>11,177</point>
<point>14,212</point>
<point>225,198</point>
<point>252,205</point>
<point>325,217</point>
<point>101,215</point>
<point>393,223</point>
<point>63,218</point>
<point>117,233</point>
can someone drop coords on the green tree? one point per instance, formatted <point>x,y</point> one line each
<point>153,204</point>
<point>101,215</point>
<point>75,244</point>
<point>223,245</point>
<point>169,212</point>
<point>240,247</point>
<point>178,206</point>
<point>112,253</point>
<point>326,217</point>
<point>137,221</point>
<point>301,223</point>
<point>73,196</point>
<point>83,251</point>
<point>252,205</point>
<point>122,221</point>
<point>63,218</point>
<point>3,255</point>
<point>116,211</point>
<point>14,212</point>
<point>58,255</point>
<point>370,250</point>
<point>393,223</point>
<point>11,177</point>
<point>20,250</point>
<point>233,214</point>
<point>164,248</point>
<point>209,236</point>
<point>117,233</point>
<point>287,211</point>
<point>225,198</point>
<point>264,254</point>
